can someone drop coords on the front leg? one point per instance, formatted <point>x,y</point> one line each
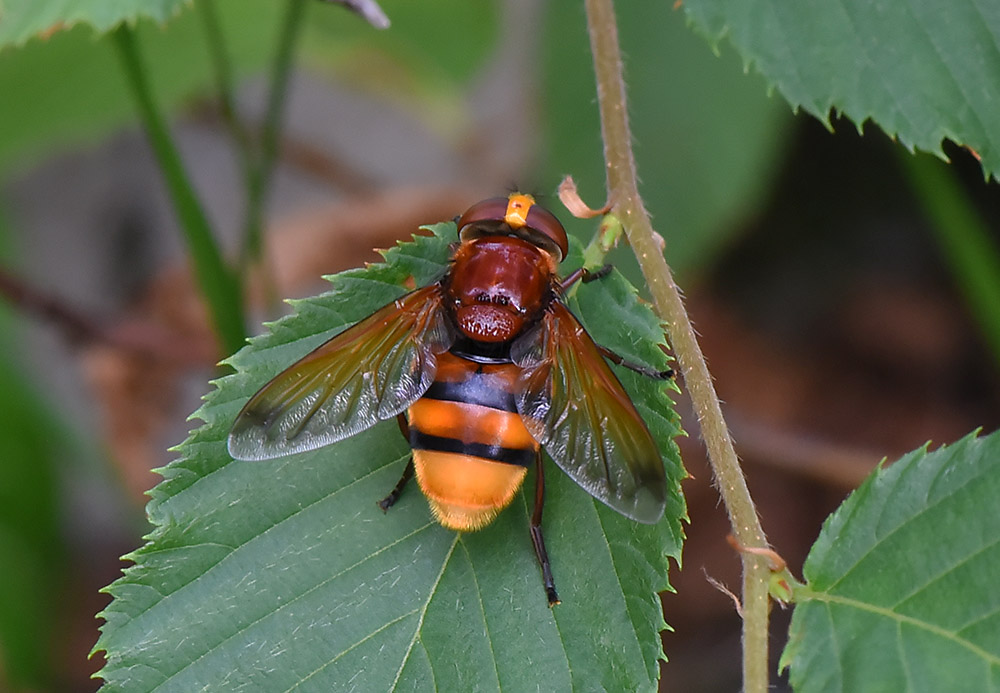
<point>587,276</point>
<point>637,367</point>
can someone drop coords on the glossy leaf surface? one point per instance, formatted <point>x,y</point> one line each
<point>284,574</point>
<point>923,70</point>
<point>902,583</point>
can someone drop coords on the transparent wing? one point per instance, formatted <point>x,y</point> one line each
<point>370,372</point>
<point>572,403</point>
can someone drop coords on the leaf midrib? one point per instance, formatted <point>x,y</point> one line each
<point>423,612</point>
<point>825,598</point>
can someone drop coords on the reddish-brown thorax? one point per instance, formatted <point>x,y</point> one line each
<point>497,285</point>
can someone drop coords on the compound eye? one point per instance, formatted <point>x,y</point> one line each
<point>545,223</point>
<point>515,215</point>
<point>482,218</point>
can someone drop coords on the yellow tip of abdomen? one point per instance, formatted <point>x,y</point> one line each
<point>462,518</point>
<point>466,493</point>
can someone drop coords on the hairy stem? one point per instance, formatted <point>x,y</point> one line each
<point>219,285</point>
<point>627,205</point>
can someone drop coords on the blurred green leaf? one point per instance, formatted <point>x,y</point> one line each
<point>707,139</point>
<point>32,558</point>
<point>21,20</point>
<point>444,42</point>
<point>285,575</point>
<point>968,244</point>
<point>902,582</point>
<point>69,87</point>
<point>923,70</point>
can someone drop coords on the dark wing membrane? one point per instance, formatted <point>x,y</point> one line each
<point>572,403</point>
<point>369,372</point>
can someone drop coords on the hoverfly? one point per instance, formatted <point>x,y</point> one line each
<point>489,366</point>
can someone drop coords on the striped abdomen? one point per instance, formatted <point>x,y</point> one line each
<point>471,450</point>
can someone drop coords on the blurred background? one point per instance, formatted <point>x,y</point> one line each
<point>836,327</point>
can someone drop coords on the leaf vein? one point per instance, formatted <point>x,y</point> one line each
<point>482,610</point>
<point>902,525</point>
<point>356,645</point>
<point>297,597</point>
<point>423,613</point>
<point>940,576</point>
<point>840,600</point>
<point>621,587</point>
<point>280,522</point>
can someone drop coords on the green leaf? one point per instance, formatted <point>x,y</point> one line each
<point>902,583</point>
<point>69,87</point>
<point>284,574</point>
<point>33,561</point>
<point>923,70</point>
<point>21,20</point>
<point>968,244</point>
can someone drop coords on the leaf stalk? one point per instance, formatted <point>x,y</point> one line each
<point>260,174</point>
<point>219,285</point>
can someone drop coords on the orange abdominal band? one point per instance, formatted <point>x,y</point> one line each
<point>471,423</point>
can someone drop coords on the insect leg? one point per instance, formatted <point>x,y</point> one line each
<point>586,275</point>
<point>390,500</point>
<point>393,496</point>
<point>600,273</point>
<point>637,367</point>
<point>536,533</point>
<point>404,426</point>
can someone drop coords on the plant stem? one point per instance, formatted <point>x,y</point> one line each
<point>224,86</point>
<point>218,284</point>
<point>223,74</point>
<point>627,205</point>
<point>261,173</point>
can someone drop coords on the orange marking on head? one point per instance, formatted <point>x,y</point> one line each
<point>518,205</point>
